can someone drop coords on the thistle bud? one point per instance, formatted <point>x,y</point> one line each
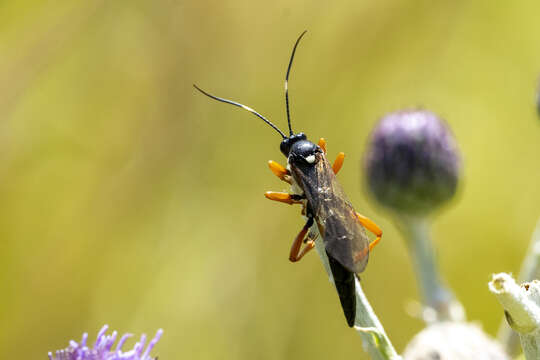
<point>453,340</point>
<point>412,162</point>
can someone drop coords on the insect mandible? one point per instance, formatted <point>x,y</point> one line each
<point>325,206</point>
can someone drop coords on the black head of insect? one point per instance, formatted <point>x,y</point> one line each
<point>295,147</point>
<point>299,150</point>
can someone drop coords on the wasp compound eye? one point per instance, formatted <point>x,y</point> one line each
<point>285,146</point>
<point>412,163</point>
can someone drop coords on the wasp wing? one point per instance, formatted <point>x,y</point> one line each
<point>344,237</point>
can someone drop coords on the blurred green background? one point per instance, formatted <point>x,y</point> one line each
<point>128,198</point>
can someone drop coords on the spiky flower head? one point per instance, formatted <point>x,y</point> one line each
<point>412,162</point>
<point>102,348</point>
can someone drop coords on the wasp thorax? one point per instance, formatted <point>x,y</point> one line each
<point>304,151</point>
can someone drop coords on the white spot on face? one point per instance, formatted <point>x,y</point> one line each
<point>310,159</point>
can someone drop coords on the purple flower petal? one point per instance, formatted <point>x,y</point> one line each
<point>102,348</point>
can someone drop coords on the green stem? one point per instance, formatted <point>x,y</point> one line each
<point>367,324</point>
<point>440,303</point>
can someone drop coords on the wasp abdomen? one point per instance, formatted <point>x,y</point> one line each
<point>344,281</point>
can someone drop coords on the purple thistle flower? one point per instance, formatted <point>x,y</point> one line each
<point>412,162</point>
<point>102,348</point>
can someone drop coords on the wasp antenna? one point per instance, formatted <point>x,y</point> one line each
<point>287,81</point>
<point>243,107</point>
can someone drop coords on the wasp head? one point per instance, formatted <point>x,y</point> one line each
<point>299,150</point>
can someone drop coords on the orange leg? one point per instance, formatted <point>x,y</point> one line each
<point>338,163</point>
<point>279,171</point>
<point>283,197</point>
<point>295,254</point>
<point>322,144</point>
<point>371,226</point>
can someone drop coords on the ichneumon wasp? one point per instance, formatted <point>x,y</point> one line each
<point>325,206</point>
